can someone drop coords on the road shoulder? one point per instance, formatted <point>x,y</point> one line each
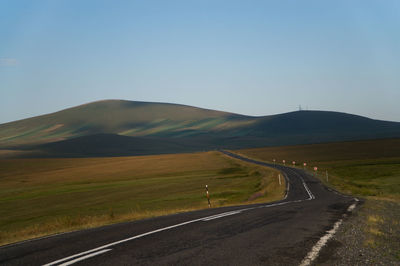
<point>370,236</point>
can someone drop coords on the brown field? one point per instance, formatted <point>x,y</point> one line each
<point>362,168</point>
<point>44,196</point>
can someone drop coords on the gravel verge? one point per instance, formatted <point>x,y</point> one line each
<point>369,236</point>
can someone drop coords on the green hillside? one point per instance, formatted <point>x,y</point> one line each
<point>119,117</point>
<point>116,128</point>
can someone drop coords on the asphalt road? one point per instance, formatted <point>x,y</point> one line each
<point>279,233</point>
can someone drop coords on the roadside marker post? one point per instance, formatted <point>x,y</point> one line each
<point>294,163</point>
<point>279,176</point>
<point>327,177</point>
<point>208,197</point>
<point>304,165</point>
<point>284,162</point>
<point>315,170</point>
<point>274,161</point>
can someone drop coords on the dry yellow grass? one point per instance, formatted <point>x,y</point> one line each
<point>374,219</point>
<point>46,196</point>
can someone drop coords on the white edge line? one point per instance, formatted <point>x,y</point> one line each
<point>313,254</point>
<point>351,207</point>
<point>85,257</point>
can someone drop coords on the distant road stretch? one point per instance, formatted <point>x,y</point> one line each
<point>287,232</point>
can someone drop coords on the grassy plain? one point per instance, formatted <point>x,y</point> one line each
<point>362,168</point>
<point>45,196</point>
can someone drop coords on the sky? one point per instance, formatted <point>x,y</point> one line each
<point>248,57</point>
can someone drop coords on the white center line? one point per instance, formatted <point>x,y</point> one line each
<point>85,257</point>
<point>221,215</point>
<point>120,241</point>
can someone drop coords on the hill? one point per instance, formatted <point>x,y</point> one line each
<point>116,127</point>
<point>125,118</point>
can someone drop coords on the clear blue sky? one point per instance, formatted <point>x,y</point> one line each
<point>248,57</point>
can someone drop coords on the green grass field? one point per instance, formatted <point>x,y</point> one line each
<point>44,196</point>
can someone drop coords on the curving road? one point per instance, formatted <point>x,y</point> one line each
<point>279,233</point>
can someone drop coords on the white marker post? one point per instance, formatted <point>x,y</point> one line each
<point>274,161</point>
<point>294,163</point>
<point>208,197</point>
<point>304,165</point>
<point>279,176</point>
<point>284,162</point>
<point>315,169</point>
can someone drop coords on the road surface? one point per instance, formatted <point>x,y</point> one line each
<point>279,233</point>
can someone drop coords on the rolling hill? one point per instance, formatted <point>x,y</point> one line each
<point>126,118</point>
<point>116,127</point>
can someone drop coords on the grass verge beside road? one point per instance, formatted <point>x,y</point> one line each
<point>46,196</point>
